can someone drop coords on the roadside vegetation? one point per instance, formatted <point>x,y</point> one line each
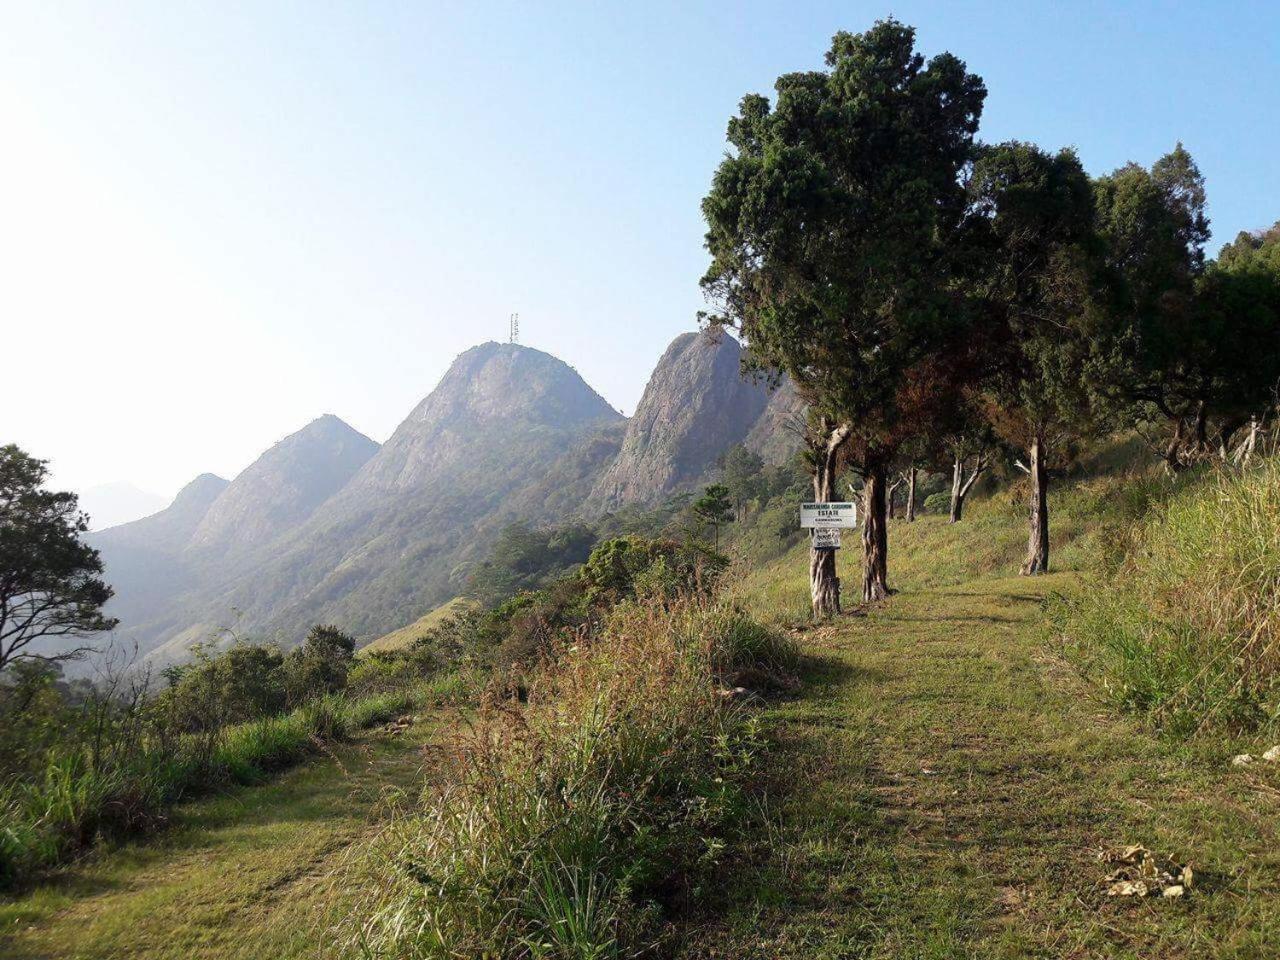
<point>570,823</point>
<point>1183,626</point>
<point>82,762</point>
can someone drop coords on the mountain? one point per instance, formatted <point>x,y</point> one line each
<point>778,431</point>
<point>695,406</point>
<point>111,504</point>
<point>143,560</point>
<point>398,537</point>
<point>282,488</point>
<point>327,526</point>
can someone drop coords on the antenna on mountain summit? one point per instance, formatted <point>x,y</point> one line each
<point>515,328</point>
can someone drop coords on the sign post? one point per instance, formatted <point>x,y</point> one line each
<point>829,516</point>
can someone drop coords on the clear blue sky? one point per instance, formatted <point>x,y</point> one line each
<point>220,220</point>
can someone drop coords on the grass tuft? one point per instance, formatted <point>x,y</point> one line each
<point>572,821</point>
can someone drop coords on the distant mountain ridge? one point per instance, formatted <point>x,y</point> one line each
<point>113,504</point>
<point>328,526</point>
<point>283,487</point>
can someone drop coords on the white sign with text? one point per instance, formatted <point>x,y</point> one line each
<point>829,515</point>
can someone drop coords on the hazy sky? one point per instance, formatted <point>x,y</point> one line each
<point>221,220</point>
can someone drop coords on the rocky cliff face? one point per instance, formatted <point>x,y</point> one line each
<point>282,488</point>
<point>778,432</point>
<point>396,539</point>
<point>695,406</point>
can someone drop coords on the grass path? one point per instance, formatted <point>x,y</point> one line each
<point>943,785</point>
<point>254,873</point>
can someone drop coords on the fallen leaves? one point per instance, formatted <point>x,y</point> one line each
<point>1140,873</point>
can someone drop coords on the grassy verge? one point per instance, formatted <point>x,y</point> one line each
<point>570,822</point>
<point>1186,629</point>
<point>43,822</point>
<point>943,785</point>
<point>247,873</point>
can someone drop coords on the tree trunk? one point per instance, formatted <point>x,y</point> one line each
<point>957,498</point>
<point>1037,560</point>
<point>1202,433</point>
<point>824,585</point>
<point>890,498</point>
<point>875,535</point>
<point>1173,452</point>
<point>911,494</point>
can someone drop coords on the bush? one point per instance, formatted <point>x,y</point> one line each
<point>628,567</point>
<point>1188,628</point>
<point>938,503</point>
<point>319,666</point>
<point>569,822</point>
<point>240,684</point>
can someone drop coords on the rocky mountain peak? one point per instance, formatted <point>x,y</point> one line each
<point>284,486</point>
<point>491,394</point>
<point>696,405</point>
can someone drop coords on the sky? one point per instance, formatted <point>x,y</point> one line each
<point>219,221</point>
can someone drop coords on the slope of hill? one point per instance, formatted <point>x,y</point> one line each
<point>420,627</point>
<point>695,406</point>
<point>778,431</point>
<point>390,543</point>
<point>282,487</point>
<point>111,504</point>
<point>143,559</point>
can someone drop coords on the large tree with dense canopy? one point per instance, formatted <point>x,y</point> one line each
<point>832,226</point>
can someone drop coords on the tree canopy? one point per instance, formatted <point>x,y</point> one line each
<point>50,583</point>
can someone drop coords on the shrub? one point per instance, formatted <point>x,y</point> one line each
<point>569,822</point>
<point>242,683</point>
<point>319,666</point>
<point>627,567</point>
<point>1188,628</point>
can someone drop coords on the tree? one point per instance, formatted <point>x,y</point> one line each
<point>1036,210</point>
<point>741,471</point>
<point>714,507</point>
<point>1238,309</point>
<point>830,226</point>
<point>320,664</point>
<point>50,586</point>
<point>1157,359</point>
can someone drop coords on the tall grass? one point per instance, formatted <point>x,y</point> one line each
<point>45,820</point>
<point>572,820</point>
<point>1187,628</point>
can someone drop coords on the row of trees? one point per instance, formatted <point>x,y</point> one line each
<point>929,293</point>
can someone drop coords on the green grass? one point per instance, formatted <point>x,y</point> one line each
<point>398,639</point>
<point>46,821</point>
<point>251,872</point>
<point>944,782</point>
<point>570,821</point>
<point>1187,630</point>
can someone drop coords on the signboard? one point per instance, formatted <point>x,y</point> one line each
<point>830,515</point>
<point>826,538</point>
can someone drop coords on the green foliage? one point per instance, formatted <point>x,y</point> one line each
<point>528,558</point>
<point>50,590</point>
<point>630,566</point>
<point>1185,629</point>
<point>1036,211</point>
<point>827,224</point>
<point>558,837</point>
<point>318,666</point>
<point>242,683</point>
<point>713,508</point>
<point>742,473</point>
